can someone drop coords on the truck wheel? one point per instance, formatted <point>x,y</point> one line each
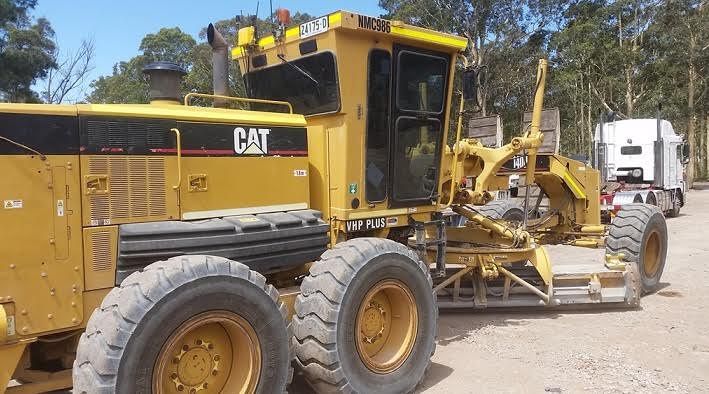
<point>640,233</point>
<point>184,325</point>
<point>676,205</point>
<point>365,319</point>
<point>502,209</point>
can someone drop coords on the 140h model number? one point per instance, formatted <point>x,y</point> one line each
<point>365,224</point>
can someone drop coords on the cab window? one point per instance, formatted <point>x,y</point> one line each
<point>377,157</point>
<point>309,84</point>
<point>422,80</point>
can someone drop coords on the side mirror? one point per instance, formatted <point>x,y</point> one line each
<point>470,84</point>
<point>685,151</point>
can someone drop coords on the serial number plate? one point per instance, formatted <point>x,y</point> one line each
<point>314,27</point>
<point>365,224</point>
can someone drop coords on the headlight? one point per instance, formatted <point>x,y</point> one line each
<point>637,173</point>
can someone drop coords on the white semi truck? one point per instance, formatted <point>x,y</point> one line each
<point>640,160</point>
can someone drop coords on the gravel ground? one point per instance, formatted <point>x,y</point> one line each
<point>661,347</point>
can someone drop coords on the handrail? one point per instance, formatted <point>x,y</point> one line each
<point>459,127</point>
<point>178,137</point>
<point>240,99</point>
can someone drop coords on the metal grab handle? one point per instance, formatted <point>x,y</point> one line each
<point>238,99</point>
<point>178,138</point>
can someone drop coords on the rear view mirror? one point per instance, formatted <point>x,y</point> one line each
<point>470,84</point>
<point>685,151</point>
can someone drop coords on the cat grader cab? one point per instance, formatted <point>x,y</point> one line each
<point>172,248</point>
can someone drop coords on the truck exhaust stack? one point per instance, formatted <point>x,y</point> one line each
<point>220,64</point>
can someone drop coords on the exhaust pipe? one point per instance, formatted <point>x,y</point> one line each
<point>220,64</point>
<point>165,79</point>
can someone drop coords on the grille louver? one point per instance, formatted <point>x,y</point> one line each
<point>136,189</point>
<point>101,256</point>
<point>128,135</point>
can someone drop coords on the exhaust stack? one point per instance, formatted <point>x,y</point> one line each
<point>165,79</point>
<point>220,64</point>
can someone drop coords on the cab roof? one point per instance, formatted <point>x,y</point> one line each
<point>339,20</point>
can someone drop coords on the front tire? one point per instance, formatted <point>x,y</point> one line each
<point>365,319</point>
<point>184,325</point>
<point>640,233</point>
<point>506,210</point>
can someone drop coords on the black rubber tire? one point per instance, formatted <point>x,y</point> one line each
<point>326,311</point>
<point>123,337</point>
<point>651,199</point>
<point>502,209</point>
<point>676,206</point>
<point>629,233</point>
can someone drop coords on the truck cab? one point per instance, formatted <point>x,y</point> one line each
<point>375,151</point>
<point>641,160</point>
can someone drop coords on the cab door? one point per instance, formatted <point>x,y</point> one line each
<point>418,105</point>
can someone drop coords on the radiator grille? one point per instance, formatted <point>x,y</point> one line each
<point>136,188</point>
<point>101,251</point>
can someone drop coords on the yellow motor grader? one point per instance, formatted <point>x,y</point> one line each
<point>172,248</point>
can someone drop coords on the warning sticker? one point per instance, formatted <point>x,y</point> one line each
<point>300,172</point>
<point>12,204</point>
<point>10,325</point>
<point>60,208</point>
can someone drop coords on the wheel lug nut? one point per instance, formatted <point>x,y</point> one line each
<point>180,388</point>
<point>216,358</point>
<point>176,360</point>
<point>173,376</point>
<point>198,342</point>
<point>214,373</point>
<point>204,386</point>
<point>210,346</point>
<point>185,347</point>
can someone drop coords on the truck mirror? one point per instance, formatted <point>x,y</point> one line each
<point>685,153</point>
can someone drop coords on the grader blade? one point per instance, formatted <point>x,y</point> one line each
<point>519,284</point>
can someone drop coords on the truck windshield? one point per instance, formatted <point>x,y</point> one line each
<point>294,82</point>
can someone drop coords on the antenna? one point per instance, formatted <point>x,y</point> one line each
<point>254,20</point>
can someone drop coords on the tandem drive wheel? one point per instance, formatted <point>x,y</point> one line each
<point>639,232</point>
<point>191,324</point>
<point>365,319</point>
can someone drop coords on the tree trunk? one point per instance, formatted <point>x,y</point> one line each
<point>589,119</point>
<point>706,141</point>
<point>629,91</point>
<point>691,121</point>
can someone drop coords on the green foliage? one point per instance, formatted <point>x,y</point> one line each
<point>127,84</point>
<point>623,56</point>
<point>26,50</point>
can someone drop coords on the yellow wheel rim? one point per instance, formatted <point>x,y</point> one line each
<point>651,256</point>
<point>386,326</point>
<point>212,352</point>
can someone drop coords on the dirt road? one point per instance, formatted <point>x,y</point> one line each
<point>661,347</point>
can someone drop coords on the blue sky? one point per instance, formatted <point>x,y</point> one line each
<point>118,26</point>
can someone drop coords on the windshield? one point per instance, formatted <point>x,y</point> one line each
<point>308,83</point>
